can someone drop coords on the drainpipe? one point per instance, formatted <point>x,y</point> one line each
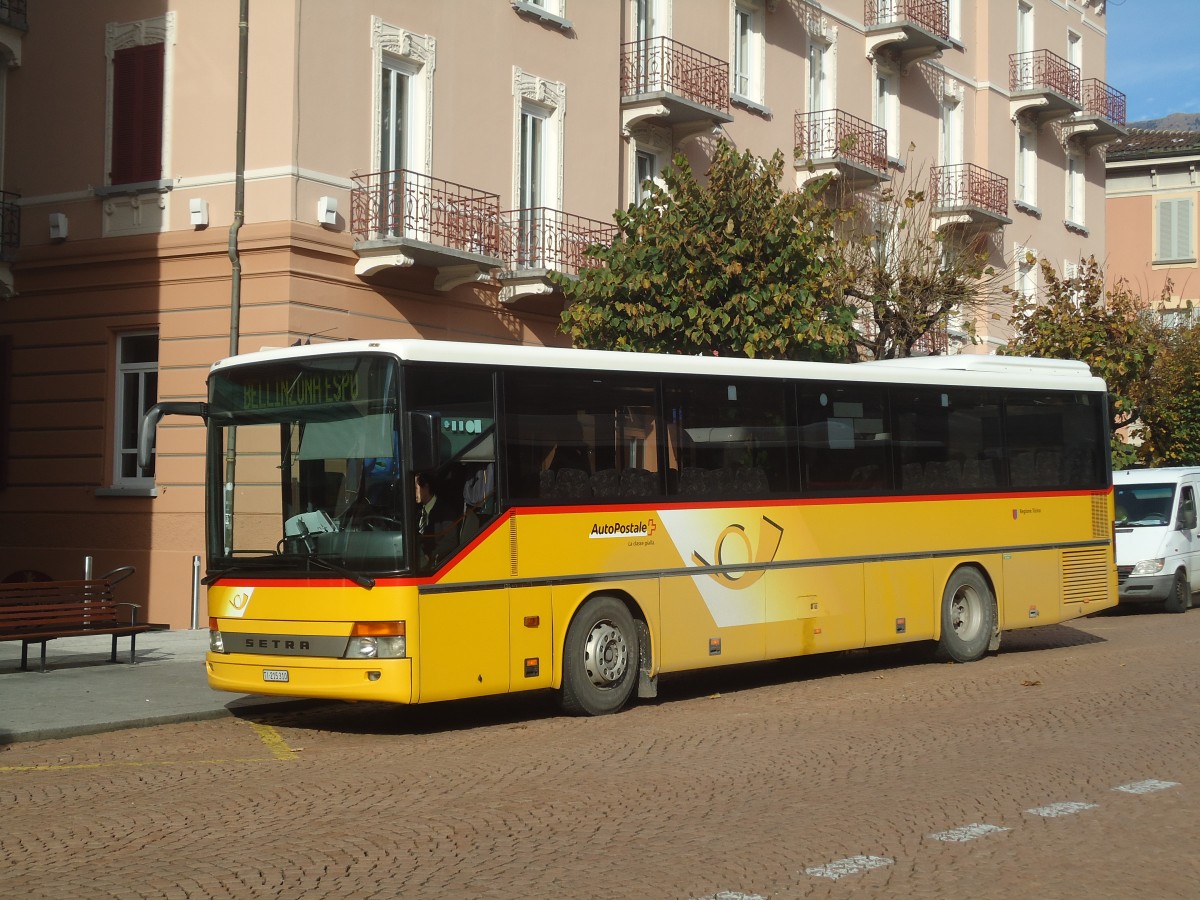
<point>239,215</point>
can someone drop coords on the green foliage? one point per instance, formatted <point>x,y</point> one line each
<point>1110,331</point>
<point>1170,409</point>
<point>733,266</point>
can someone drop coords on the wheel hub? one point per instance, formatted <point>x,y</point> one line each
<point>606,654</point>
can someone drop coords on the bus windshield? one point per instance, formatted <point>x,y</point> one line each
<point>309,457</point>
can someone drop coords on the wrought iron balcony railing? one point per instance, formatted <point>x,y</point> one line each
<point>834,134</point>
<point>10,225</point>
<point>934,342</point>
<point>664,65</point>
<point>1042,70</point>
<point>931,15</point>
<point>968,186</point>
<point>13,13</point>
<point>543,238</point>
<point>1100,99</point>
<point>414,206</point>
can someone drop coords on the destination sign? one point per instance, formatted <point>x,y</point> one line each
<point>307,389</point>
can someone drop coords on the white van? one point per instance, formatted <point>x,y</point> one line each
<point>1158,545</point>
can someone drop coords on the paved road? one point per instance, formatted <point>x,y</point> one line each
<point>1064,767</point>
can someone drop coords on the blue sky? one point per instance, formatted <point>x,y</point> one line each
<point>1154,55</point>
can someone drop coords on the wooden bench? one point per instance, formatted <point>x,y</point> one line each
<point>39,611</point>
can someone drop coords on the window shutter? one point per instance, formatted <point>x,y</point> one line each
<point>137,114</point>
<point>1174,230</point>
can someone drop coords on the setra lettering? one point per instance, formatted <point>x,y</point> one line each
<point>275,644</point>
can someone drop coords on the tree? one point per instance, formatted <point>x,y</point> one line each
<point>732,266</point>
<point>1110,331</point>
<point>1170,405</point>
<point>911,277</point>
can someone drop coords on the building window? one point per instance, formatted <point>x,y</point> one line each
<point>887,109</point>
<point>954,16</point>
<point>952,132</point>
<point>1026,272</point>
<point>1075,50</point>
<point>1024,27</point>
<point>747,52</point>
<point>1027,166</point>
<point>137,391</point>
<point>820,78</point>
<point>647,172</point>
<point>404,63</point>
<point>1075,190</point>
<point>139,65</point>
<point>1175,222</point>
<point>537,165</point>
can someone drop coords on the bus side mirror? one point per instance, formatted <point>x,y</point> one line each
<point>149,424</point>
<point>424,441</point>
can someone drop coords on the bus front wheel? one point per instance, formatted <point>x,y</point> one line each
<point>600,658</point>
<point>968,617</point>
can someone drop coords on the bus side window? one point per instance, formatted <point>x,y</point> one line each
<point>845,442</point>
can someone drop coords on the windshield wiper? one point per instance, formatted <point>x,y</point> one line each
<point>363,581</point>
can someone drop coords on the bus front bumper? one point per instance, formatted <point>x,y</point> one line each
<point>385,680</point>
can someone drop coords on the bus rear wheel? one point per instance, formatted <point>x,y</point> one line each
<point>968,617</point>
<point>600,658</point>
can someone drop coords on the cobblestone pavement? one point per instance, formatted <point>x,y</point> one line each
<point>1063,767</point>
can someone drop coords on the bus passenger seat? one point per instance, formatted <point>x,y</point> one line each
<point>605,483</point>
<point>638,483</point>
<point>573,483</point>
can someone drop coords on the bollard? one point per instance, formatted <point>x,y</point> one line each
<point>195,592</point>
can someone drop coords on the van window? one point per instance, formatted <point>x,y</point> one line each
<point>1144,505</point>
<point>1187,509</point>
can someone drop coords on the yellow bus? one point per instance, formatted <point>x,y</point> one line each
<point>413,521</point>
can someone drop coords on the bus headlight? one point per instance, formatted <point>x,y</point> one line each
<point>216,643</point>
<point>377,640</point>
<point>1148,567</point>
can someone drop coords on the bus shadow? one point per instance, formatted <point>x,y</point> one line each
<point>516,709</point>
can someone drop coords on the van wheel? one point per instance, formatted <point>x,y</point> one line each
<point>1181,594</point>
<point>968,617</point>
<point>600,658</point>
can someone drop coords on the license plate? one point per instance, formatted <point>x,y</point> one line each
<point>275,674</point>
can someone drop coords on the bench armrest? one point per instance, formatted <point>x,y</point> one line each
<point>133,611</point>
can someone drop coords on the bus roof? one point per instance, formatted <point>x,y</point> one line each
<point>983,371</point>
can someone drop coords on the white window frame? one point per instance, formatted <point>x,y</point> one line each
<point>1071,271</point>
<point>1026,167</point>
<point>887,107</point>
<point>415,55</point>
<point>656,22</point>
<point>1026,35</point>
<point>654,141</point>
<point>1174,230</point>
<point>140,404</point>
<point>820,72</point>
<point>954,16</point>
<point>551,11</point>
<point>747,21</point>
<point>1075,48</point>
<point>545,101</point>
<point>1025,280</point>
<point>952,131</point>
<point>1075,210</point>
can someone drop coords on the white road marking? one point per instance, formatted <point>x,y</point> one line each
<point>731,895</point>
<point>1149,786</point>
<point>967,832</point>
<point>1061,809</point>
<point>851,865</point>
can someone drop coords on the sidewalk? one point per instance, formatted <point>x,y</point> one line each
<point>81,692</point>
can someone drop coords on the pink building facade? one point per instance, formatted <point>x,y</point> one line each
<point>416,169</point>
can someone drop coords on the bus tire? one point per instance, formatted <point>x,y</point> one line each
<point>968,617</point>
<point>1180,599</point>
<point>600,658</point>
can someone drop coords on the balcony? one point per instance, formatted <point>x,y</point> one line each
<point>535,242</point>
<point>10,239</point>
<point>968,195</point>
<point>833,142</point>
<point>934,342</point>
<point>907,31</point>
<point>672,84</point>
<point>1044,86</point>
<point>403,218</point>
<point>1102,119</point>
<point>14,14</point>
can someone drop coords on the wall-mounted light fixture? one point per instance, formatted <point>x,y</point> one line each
<point>327,211</point>
<point>58,226</point>
<point>198,209</point>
